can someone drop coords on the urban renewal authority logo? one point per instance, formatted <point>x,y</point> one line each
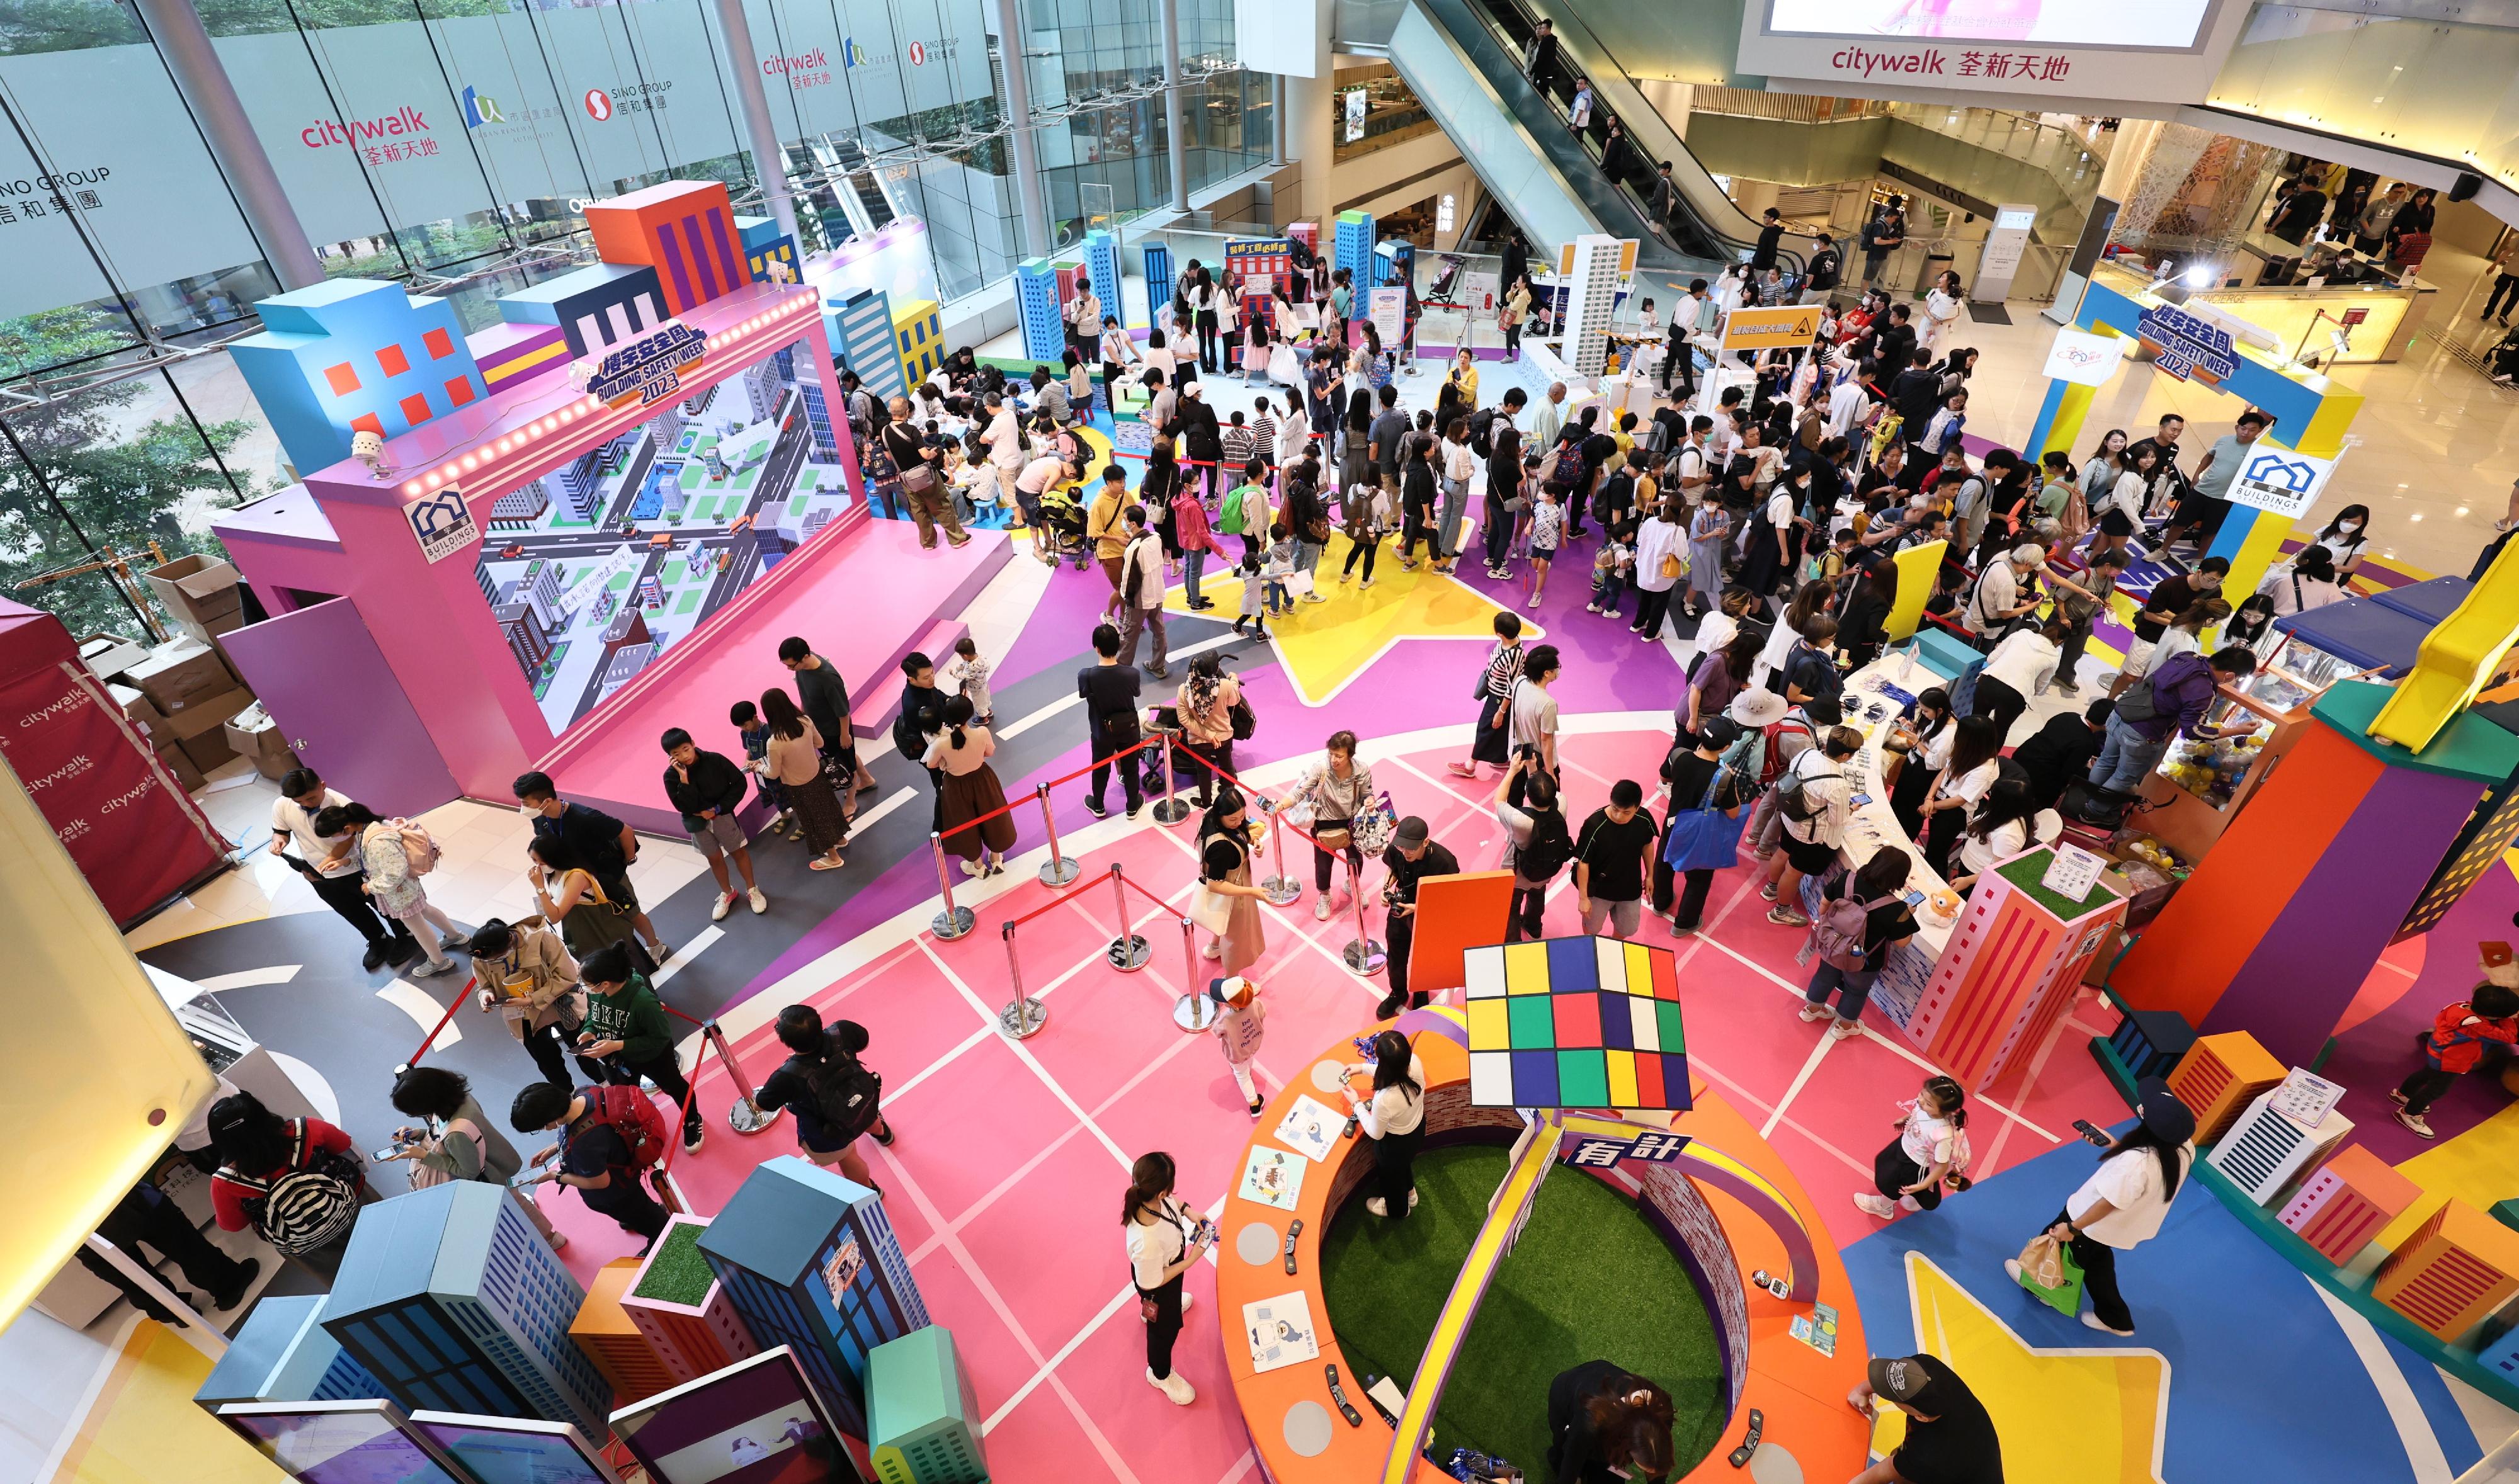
<point>480,108</point>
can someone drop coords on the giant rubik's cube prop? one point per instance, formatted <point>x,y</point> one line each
<point>1575,1023</point>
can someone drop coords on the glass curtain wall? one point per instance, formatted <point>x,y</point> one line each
<point>454,145</point>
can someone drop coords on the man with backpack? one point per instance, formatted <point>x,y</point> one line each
<point>609,1139</point>
<point>1537,844</point>
<point>627,1037</point>
<point>2171,700</point>
<point>1811,799</point>
<point>297,1182</point>
<point>834,1096</point>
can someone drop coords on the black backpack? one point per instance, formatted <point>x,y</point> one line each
<point>1549,850</point>
<point>846,1097</point>
<point>1483,432</point>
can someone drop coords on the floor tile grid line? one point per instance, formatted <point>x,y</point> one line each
<point>1024,1055</point>
<point>997,1302</point>
<point>1895,1049</point>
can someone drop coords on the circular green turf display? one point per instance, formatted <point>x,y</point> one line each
<point>1590,1280</point>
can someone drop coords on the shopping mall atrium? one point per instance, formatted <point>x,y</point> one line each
<point>685,685</point>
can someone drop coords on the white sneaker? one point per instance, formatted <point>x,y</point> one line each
<point>1811,1012</point>
<point>1172,1387</point>
<point>1374,1204</point>
<point>1412,1201</point>
<point>2095,1322</point>
<point>760,904</point>
<point>724,904</point>
<point>1845,1030</point>
<point>2011,1268</point>
<point>1534,601</point>
<point>974,869</point>
<point>1875,1206</point>
<point>1188,1302</point>
<point>1320,909</point>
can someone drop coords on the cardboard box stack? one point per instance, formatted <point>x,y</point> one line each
<point>184,693</point>
<point>202,595</point>
<point>251,733</point>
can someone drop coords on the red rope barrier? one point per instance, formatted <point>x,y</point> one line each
<point>1010,805</point>
<point>1147,894</point>
<point>1065,894</point>
<point>460,995</point>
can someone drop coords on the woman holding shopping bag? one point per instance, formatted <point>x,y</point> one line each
<point>1703,835</point>
<point>2124,1201</point>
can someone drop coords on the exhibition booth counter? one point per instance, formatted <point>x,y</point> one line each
<point>2303,316</point>
<point>1982,982</point>
<point>1791,1363</point>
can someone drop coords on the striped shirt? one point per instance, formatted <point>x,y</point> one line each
<point>1263,433</point>
<point>1504,666</point>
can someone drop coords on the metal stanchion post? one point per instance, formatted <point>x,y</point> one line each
<point>1363,956</point>
<point>1057,870</point>
<point>1281,888</point>
<point>1129,952</point>
<point>953,922</point>
<point>746,1117</point>
<point>1172,811</point>
<point>1193,1011</point>
<point>1024,1015</point>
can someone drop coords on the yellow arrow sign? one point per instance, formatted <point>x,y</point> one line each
<point>1785,327</point>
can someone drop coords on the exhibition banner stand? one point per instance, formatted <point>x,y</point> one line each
<point>2311,411</point>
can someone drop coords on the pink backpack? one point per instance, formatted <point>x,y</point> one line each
<point>418,844</point>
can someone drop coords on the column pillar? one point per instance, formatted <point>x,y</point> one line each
<point>1175,113</point>
<point>1277,119</point>
<point>1309,106</point>
<point>203,80</point>
<point>1029,203</point>
<point>760,134</point>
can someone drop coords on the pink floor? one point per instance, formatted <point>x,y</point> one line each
<point>1011,1155</point>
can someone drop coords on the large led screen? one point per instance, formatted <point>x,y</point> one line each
<point>2170,25</point>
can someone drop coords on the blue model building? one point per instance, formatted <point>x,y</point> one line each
<point>860,329</point>
<point>596,307</point>
<point>1353,250</point>
<point>810,1260</point>
<point>1036,299</point>
<point>1102,266</point>
<point>1158,276</point>
<point>454,1303</point>
<point>281,1354</point>
<point>354,355</point>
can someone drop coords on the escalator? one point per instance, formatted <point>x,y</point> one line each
<point>1464,59</point>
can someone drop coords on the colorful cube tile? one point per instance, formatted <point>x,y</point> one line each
<point>1575,1023</point>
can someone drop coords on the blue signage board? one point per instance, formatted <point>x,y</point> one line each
<point>2186,345</point>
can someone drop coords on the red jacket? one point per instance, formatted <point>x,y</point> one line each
<point>228,1198</point>
<point>2458,1035</point>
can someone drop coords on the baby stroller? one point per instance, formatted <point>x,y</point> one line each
<point>1060,527</point>
<point>1447,279</point>
<point>2502,362</point>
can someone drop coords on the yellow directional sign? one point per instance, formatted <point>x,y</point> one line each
<point>1785,327</point>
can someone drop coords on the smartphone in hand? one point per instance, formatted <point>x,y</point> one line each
<point>2091,1133</point>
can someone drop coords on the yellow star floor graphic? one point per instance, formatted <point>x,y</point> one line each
<point>2095,1416</point>
<point>1325,645</point>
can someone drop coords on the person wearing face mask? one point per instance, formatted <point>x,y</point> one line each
<point>2344,539</point>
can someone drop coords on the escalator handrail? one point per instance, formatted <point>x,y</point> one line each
<point>1633,110</point>
<point>1533,116</point>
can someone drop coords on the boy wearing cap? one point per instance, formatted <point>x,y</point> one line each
<point>1950,1438</point>
<point>1410,858</point>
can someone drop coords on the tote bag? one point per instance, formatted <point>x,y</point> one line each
<point>1704,838</point>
